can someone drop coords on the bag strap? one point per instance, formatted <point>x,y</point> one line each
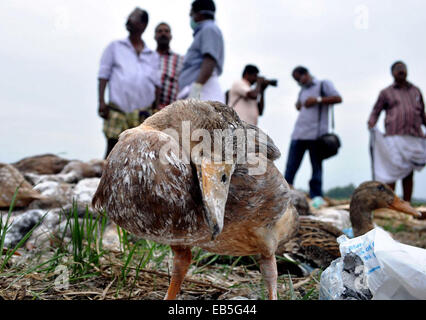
<point>320,109</point>
<point>322,94</point>
<point>236,101</point>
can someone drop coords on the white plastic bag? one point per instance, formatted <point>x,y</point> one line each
<point>393,270</point>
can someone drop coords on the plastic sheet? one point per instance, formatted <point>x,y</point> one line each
<point>391,270</point>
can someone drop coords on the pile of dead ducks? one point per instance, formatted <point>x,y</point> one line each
<point>42,188</point>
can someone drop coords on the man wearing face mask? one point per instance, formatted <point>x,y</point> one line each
<point>203,62</point>
<point>311,123</point>
<point>132,73</point>
<point>403,148</point>
<point>171,65</point>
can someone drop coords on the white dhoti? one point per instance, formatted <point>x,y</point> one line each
<point>395,157</point>
<point>210,91</point>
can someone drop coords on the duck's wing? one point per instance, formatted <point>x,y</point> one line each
<point>311,225</point>
<point>147,186</point>
<point>318,241</point>
<point>315,243</point>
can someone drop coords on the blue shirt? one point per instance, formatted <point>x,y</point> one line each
<point>131,77</point>
<point>306,127</point>
<point>208,39</point>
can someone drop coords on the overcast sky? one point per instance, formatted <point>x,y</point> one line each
<point>50,52</point>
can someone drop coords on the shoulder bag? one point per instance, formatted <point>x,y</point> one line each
<point>328,143</point>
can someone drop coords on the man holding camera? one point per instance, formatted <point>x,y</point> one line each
<point>248,102</point>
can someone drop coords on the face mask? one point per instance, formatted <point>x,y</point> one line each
<point>163,39</point>
<point>194,24</point>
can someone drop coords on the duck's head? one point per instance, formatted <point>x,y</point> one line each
<point>214,179</point>
<point>214,149</point>
<point>207,132</point>
<point>370,196</point>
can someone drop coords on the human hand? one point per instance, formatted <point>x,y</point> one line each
<point>310,102</point>
<point>195,92</point>
<point>260,80</point>
<point>262,83</point>
<point>371,124</point>
<point>103,110</point>
<point>298,105</point>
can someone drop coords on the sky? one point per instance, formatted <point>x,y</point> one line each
<point>50,52</point>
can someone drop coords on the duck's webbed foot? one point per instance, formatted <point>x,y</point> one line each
<point>181,262</point>
<point>268,268</point>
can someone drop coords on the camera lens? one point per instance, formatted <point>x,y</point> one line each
<point>273,82</point>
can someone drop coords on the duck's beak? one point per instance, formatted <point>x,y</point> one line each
<point>403,206</point>
<point>214,182</point>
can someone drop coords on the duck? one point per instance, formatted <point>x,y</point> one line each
<point>41,164</point>
<point>10,180</point>
<point>163,186</point>
<point>316,241</point>
<point>72,172</point>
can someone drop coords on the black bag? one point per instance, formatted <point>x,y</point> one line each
<point>329,143</point>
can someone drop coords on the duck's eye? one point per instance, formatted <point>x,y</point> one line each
<point>381,188</point>
<point>224,178</point>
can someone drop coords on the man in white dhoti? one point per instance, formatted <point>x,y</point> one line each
<point>403,148</point>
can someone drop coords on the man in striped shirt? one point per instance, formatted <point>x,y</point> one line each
<point>405,115</point>
<point>171,65</point>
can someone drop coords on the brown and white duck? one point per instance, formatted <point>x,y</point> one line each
<point>316,240</point>
<point>189,200</point>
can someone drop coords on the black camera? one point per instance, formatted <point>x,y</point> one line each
<point>272,82</point>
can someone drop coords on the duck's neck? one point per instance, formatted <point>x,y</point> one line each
<point>361,215</point>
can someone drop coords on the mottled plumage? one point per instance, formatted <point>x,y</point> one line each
<point>315,243</point>
<point>180,202</point>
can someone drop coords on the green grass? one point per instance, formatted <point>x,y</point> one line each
<point>389,226</point>
<point>4,228</point>
<point>79,247</point>
<point>86,240</point>
<point>418,202</point>
<point>81,254</point>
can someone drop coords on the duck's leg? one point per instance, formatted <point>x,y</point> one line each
<point>268,268</point>
<point>181,262</point>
